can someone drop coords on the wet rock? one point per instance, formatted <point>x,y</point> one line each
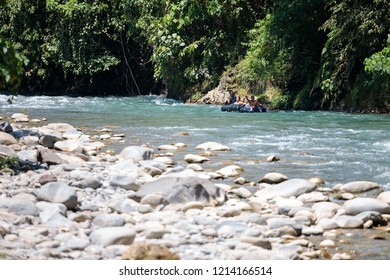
<point>286,189</point>
<point>212,146</point>
<point>273,178</point>
<point>136,153</point>
<point>272,158</point>
<point>58,192</point>
<point>230,171</point>
<point>359,186</point>
<point>191,158</point>
<point>113,236</point>
<point>362,204</point>
<point>167,147</point>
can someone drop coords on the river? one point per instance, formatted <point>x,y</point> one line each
<point>338,147</point>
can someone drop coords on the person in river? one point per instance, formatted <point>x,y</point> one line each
<point>232,98</point>
<point>253,103</point>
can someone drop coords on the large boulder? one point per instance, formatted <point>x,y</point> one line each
<point>177,189</point>
<point>286,189</point>
<point>136,153</point>
<point>58,192</point>
<point>361,204</point>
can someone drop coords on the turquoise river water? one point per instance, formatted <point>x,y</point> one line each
<point>337,147</point>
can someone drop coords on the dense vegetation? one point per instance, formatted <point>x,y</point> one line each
<point>304,54</point>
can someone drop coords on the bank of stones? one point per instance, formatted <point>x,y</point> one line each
<point>71,199</point>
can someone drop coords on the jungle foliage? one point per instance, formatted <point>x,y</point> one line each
<point>303,54</point>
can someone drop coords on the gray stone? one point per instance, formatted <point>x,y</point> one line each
<point>30,141</point>
<point>28,155</point>
<point>273,178</point>
<point>325,209</point>
<point>49,156</point>
<point>286,189</point>
<point>123,205</point>
<point>51,208</point>
<point>125,182</point>
<point>19,206</point>
<point>313,197</point>
<point>212,146</point>
<point>91,181</point>
<point>58,192</point>
<point>385,197</point>
<point>359,186</point>
<point>191,158</point>
<point>362,204</point>
<point>154,200</point>
<point>20,117</point>
<point>136,153</point>
<point>182,189</point>
<point>375,217</point>
<point>327,224</point>
<point>6,151</point>
<point>109,220</point>
<point>6,127</point>
<point>7,139</point>
<point>345,221</point>
<point>60,127</point>
<point>48,140</point>
<point>113,236</point>
<point>68,145</point>
<point>275,223</point>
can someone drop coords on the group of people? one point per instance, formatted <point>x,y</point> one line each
<point>250,103</point>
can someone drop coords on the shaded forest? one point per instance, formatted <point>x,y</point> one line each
<point>301,54</point>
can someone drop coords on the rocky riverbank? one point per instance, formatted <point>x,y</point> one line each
<point>71,197</point>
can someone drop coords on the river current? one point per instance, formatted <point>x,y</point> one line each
<point>338,147</point>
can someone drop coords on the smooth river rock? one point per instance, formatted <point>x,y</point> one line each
<point>359,186</point>
<point>362,204</point>
<point>58,192</point>
<point>212,146</point>
<point>137,153</point>
<point>113,236</point>
<point>286,189</point>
